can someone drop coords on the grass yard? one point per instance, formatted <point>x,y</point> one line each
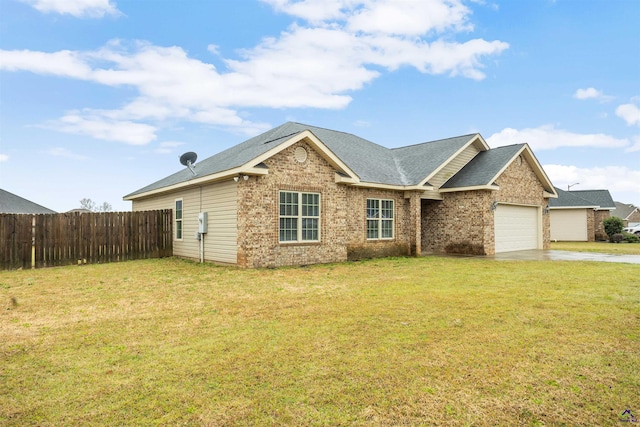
<point>407,341</point>
<point>602,247</point>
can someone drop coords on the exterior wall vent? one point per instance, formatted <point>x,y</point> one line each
<point>300,155</point>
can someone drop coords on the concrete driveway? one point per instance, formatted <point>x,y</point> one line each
<point>540,255</point>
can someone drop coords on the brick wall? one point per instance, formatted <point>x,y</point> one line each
<point>342,217</point>
<point>463,221</point>
<point>599,217</point>
<point>358,246</point>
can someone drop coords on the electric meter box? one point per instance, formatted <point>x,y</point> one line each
<point>203,222</point>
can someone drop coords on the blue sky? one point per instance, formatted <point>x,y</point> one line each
<point>99,97</point>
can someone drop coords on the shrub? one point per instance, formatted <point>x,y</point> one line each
<point>617,238</point>
<point>613,225</point>
<point>630,237</point>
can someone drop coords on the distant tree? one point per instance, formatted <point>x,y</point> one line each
<point>104,207</point>
<point>91,206</point>
<point>87,204</point>
<point>613,225</point>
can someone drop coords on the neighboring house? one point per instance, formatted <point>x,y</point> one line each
<point>12,204</point>
<point>300,194</point>
<point>578,216</point>
<point>629,214</point>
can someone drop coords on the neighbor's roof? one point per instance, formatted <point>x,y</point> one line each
<point>10,203</point>
<point>597,199</point>
<point>600,197</point>
<point>372,163</point>
<point>623,210</point>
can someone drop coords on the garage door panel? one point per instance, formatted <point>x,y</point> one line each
<point>569,225</point>
<point>516,228</point>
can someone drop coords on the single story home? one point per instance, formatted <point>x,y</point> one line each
<point>578,216</point>
<point>300,194</point>
<point>12,204</point>
<point>629,214</point>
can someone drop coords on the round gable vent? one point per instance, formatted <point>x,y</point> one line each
<point>300,155</point>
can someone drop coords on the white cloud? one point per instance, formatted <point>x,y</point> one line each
<point>547,137</point>
<point>100,127</point>
<point>621,181</point>
<point>588,93</point>
<point>63,152</point>
<point>315,11</point>
<point>77,8</point>
<point>4,158</point>
<point>168,147</point>
<point>630,113</point>
<point>63,63</point>
<point>591,93</point>
<point>409,17</point>
<point>307,66</point>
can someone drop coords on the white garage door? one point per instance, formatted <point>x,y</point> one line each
<point>569,225</point>
<point>516,228</point>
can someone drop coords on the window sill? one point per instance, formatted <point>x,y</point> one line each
<point>309,243</point>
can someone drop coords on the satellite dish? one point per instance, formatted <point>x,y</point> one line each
<point>188,159</point>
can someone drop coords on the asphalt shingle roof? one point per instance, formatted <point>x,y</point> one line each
<point>371,162</point>
<point>583,198</point>
<point>600,197</point>
<point>484,167</point>
<point>10,203</point>
<point>623,210</point>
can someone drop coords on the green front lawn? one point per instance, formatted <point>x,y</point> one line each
<point>408,341</point>
<point>602,247</point>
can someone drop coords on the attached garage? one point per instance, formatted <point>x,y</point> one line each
<point>569,225</point>
<point>517,228</point>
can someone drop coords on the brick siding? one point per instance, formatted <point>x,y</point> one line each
<point>463,222</point>
<point>599,234</point>
<point>342,215</point>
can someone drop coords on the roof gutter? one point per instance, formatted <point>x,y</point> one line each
<point>208,179</point>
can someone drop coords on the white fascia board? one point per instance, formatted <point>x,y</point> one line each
<point>393,187</point>
<point>489,187</point>
<point>314,141</point>
<point>477,137</point>
<point>560,208</point>
<point>208,179</point>
<point>526,152</point>
<point>538,170</point>
<point>548,195</point>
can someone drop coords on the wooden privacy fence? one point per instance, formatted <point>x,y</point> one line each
<point>34,241</point>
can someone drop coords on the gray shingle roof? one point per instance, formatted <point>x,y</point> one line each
<point>583,198</point>
<point>600,197</point>
<point>10,203</point>
<point>419,161</point>
<point>623,210</point>
<point>371,162</point>
<point>484,167</point>
<point>567,199</point>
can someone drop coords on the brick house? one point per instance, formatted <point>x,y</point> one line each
<point>579,216</point>
<point>629,214</point>
<point>299,194</point>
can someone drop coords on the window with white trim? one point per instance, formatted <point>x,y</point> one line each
<point>178,219</point>
<point>299,217</point>
<point>379,219</point>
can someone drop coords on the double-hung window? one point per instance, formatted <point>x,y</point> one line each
<point>178,219</point>
<point>379,219</point>
<point>299,217</point>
